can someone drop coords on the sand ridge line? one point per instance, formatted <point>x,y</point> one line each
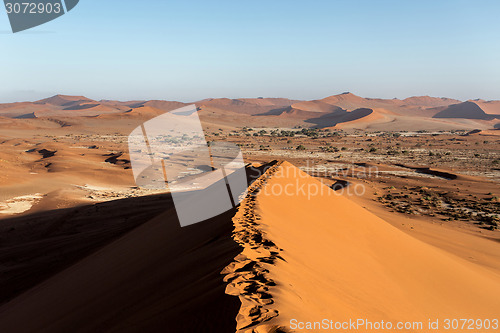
<point>246,276</point>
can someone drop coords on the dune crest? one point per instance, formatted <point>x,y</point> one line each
<point>246,276</point>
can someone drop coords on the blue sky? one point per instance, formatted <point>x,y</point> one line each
<point>190,50</point>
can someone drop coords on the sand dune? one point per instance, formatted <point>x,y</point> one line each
<point>316,106</point>
<point>322,256</point>
<point>93,110</point>
<point>351,101</point>
<point>335,118</point>
<point>143,112</point>
<point>490,107</point>
<point>368,119</point>
<point>72,106</point>
<point>298,251</point>
<point>389,114</point>
<point>320,115</point>
<point>158,277</point>
<point>160,105</point>
<point>64,100</point>
<point>21,110</point>
<point>466,110</point>
<point>408,114</point>
<point>427,101</point>
<point>347,101</point>
<point>246,105</point>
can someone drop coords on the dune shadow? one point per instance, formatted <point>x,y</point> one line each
<point>429,171</point>
<point>36,246</point>
<point>80,107</point>
<point>120,266</point>
<point>337,117</point>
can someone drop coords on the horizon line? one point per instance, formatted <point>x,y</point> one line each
<point>239,98</point>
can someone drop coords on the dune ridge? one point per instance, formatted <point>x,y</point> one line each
<point>246,276</point>
<point>314,255</point>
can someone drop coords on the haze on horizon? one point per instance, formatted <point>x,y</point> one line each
<point>123,50</point>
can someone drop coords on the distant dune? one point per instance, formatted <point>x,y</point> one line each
<point>64,100</point>
<point>343,111</point>
<point>465,110</point>
<point>145,111</point>
<point>22,110</point>
<point>427,101</point>
<point>316,106</point>
<point>490,107</point>
<point>293,112</point>
<point>160,105</point>
<point>339,117</point>
<point>246,105</point>
<point>347,101</point>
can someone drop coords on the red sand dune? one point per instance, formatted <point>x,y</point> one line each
<point>427,101</point>
<point>246,105</point>
<point>144,111</point>
<point>347,101</point>
<point>157,278</point>
<point>322,256</point>
<point>316,106</point>
<point>64,100</point>
<point>490,107</point>
<point>414,113</point>
<point>466,110</point>
<point>367,119</point>
<point>305,253</point>
<point>161,105</point>
<point>339,117</point>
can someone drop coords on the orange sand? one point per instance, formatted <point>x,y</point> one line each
<point>342,262</point>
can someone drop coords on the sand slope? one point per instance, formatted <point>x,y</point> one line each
<point>490,107</point>
<point>329,258</point>
<point>466,110</point>
<point>427,101</point>
<point>157,278</point>
<point>305,253</point>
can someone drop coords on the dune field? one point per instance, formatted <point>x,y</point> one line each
<point>357,209</point>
